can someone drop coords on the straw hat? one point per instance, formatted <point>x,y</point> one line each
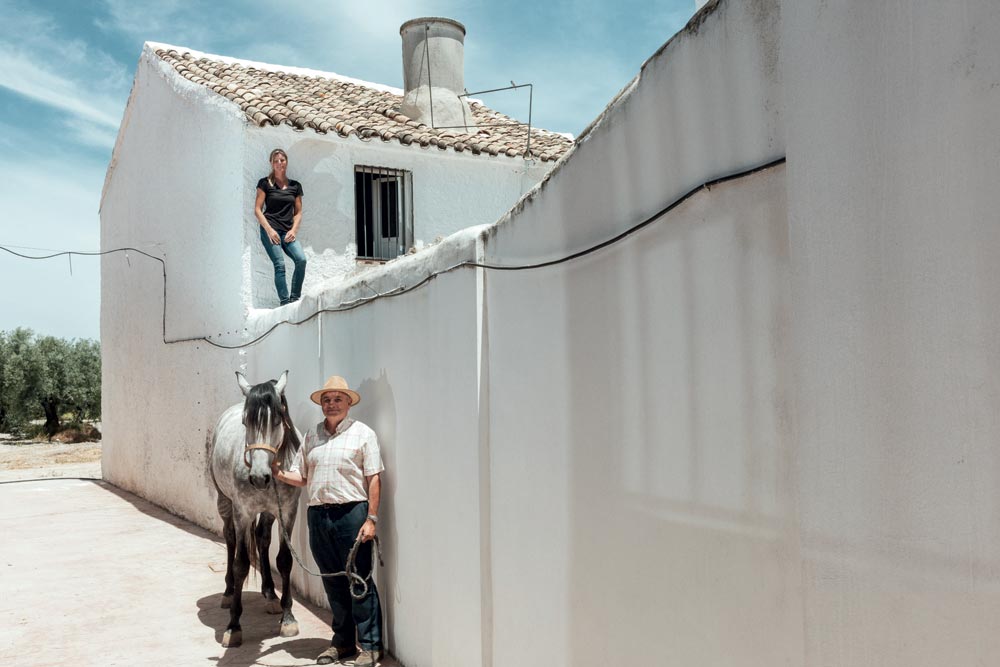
<point>335,383</point>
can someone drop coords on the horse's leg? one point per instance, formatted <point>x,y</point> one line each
<point>226,512</point>
<point>241,567</point>
<point>263,529</point>
<point>289,626</point>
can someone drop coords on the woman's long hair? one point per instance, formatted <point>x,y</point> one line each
<point>270,160</point>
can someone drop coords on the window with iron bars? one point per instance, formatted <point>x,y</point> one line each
<point>383,215</point>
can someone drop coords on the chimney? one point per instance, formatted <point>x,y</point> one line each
<point>433,73</point>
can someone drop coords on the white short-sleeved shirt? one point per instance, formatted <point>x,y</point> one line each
<point>335,465</point>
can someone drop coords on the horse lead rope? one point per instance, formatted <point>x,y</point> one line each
<point>354,580</point>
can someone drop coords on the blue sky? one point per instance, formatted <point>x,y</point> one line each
<point>67,68</point>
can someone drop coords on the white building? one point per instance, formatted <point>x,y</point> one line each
<point>197,133</point>
<point>760,430</point>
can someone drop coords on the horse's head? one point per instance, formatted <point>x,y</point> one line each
<point>264,420</point>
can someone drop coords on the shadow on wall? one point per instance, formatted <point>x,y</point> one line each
<point>703,527</point>
<point>680,478</point>
<point>377,409</point>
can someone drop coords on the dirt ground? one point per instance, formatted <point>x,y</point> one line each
<point>40,460</point>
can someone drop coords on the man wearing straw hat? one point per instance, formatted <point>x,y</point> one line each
<point>340,464</point>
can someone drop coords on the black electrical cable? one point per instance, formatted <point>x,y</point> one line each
<point>467,264</point>
<point>163,265</point>
<point>632,230</point>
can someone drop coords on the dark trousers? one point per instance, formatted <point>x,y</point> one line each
<point>332,531</point>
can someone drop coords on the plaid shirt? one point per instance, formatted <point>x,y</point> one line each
<point>336,464</point>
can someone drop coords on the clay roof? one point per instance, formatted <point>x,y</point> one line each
<point>332,104</point>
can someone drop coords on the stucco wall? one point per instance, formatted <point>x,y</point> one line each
<point>893,151</point>
<point>450,191</point>
<point>640,488</point>
<point>157,400</point>
<point>640,446</point>
<point>417,346</point>
<point>794,446</point>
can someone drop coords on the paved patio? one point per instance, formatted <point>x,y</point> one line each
<point>92,575</point>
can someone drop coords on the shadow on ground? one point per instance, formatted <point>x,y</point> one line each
<point>258,626</point>
<point>261,643</point>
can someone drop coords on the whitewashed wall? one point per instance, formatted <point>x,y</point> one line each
<point>159,400</point>
<point>412,359</point>
<point>640,491</point>
<point>893,151</point>
<point>776,409</point>
<point>640,488</point>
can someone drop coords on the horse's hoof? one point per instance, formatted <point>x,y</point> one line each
<point>232,638</point>
<point>273,607</point>
<point>227,601</point>
<point>289,629</point>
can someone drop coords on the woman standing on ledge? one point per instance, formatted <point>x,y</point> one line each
<point>279,211</point>
<point>341,465</point>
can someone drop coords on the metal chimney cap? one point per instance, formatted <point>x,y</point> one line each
<point>431,19</point>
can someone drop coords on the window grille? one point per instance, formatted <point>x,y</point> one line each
<point>383,204</point>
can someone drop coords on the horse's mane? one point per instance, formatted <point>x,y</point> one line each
<point>290,445</point>
<point>263,404</point>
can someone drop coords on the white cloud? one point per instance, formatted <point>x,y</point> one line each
<point>22,75</point>
<point>358,21</point>
<point>64,73</point>
<point>138,18</point>
<point>91,134</point>
<point>203,26</point>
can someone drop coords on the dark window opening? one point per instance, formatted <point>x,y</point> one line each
<point>383,212</point>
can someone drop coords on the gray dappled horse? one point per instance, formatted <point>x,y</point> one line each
<point>246,440</point>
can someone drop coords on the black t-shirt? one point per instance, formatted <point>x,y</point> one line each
<point>279,204</point>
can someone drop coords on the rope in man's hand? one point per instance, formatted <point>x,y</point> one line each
<point>355,581</point>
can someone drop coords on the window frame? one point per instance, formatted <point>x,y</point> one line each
<point>373,217</point>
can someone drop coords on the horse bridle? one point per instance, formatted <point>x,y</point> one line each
<point>262,445</point>
<point>257,445</point>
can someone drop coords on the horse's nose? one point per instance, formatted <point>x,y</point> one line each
<point>260,481</point>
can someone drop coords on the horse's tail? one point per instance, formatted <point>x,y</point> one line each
<point>253,553</point>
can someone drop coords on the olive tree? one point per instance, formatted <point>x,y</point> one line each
<point>47,377</point>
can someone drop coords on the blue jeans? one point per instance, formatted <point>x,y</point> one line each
<point>332,530</point>
<point>293,250</point>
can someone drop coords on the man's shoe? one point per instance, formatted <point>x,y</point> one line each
<point>334,654</point>
<point>368,658</point>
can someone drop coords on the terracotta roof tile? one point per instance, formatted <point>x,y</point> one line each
<point>330,105</point>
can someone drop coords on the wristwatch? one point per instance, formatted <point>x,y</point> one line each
<point>373,518</point>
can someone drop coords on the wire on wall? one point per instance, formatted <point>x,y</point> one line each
<point>399,291</point>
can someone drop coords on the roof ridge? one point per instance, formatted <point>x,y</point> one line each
<point>327,102</point>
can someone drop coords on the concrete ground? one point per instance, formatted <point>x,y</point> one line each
<point>92,575</point>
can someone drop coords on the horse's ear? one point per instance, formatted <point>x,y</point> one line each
<point>244,385</point>
<point>279,386</point>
